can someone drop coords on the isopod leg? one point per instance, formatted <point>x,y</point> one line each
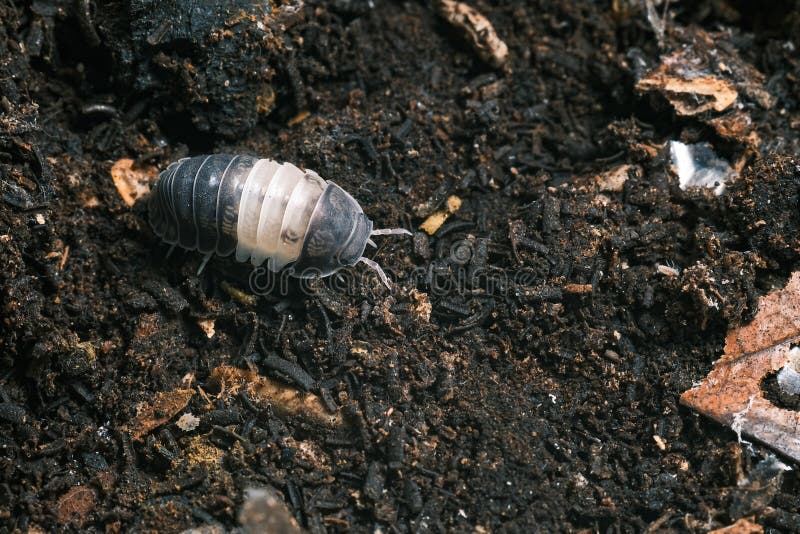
<point>204,262</point>
<point>371,243</point>
<point>171,249</point>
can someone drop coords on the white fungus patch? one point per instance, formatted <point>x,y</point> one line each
<point>698,166</point>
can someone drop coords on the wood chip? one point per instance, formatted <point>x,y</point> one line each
<point>132,183</point>
<point>477,29</point>
<point>286,401</point>
<point>731,393</point>
<point>152,415</point>
<point>437,219</point>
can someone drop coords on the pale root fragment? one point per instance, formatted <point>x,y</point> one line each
<point>731,392</point>
<point>477,29</point>
<point>285,400</point>
<point>132,183</point>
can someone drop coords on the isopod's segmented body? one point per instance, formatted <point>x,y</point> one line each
<point>259,209</point>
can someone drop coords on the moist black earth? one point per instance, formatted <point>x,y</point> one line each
<point>523,373</point>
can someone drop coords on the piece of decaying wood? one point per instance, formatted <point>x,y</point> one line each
<point>131,182</point>
<point>731,392</point>
<point>477,28</point>
<point>286,401</point>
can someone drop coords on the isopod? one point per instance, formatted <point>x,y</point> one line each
<point>259,209</point>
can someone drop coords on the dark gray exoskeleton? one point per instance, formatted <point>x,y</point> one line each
<point>261,210</point>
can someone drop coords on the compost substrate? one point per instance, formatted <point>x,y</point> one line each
<point>523,374</point>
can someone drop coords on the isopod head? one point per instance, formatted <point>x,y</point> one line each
<point>337,235</point>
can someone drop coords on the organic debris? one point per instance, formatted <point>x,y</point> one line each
<point>187,422</point>
<point>76,504</point>
<point>554,325</point>
<point>758,488</point>
<point>745,525</point>
<point>704,78</point>
<point>437,218</point>
<point>285,400</point>
<point>208,327</point>
<point>477,29</point>
<point>731,393</point>
<point>132,182</point>
<point>263,511</point>
<point>613,180</point>
<point>689,96</point>
<point>152,415</point>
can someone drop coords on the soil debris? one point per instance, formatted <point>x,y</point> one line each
<point>613,180</point>
<point>707,79</point>
<point>689,96</point>
<point>76,504</point>
<point>263,511</point>
<point>154,414</point>
<point>187,422</point>
<point>285,400</point>
<point>745,525</point>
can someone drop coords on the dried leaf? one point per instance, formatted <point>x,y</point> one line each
<point>731,393</point>
<point>165,406</point>
<point>132,183</point>
<point>285,400</point>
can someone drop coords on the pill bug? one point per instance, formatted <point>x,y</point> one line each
<point>259,209</point>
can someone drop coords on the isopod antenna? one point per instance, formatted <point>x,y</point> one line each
<point>372,264</point>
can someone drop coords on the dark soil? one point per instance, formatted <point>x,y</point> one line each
<point>542,392</point>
